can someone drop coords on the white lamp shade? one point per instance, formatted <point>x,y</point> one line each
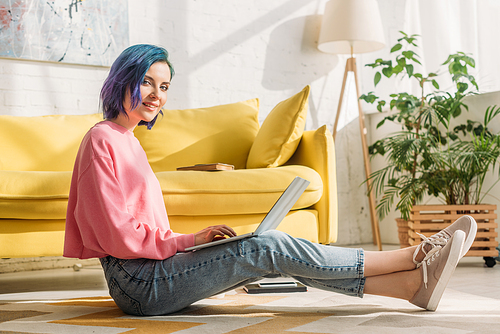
<point>351,26</point>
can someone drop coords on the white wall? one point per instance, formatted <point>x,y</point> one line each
<point>223,52</point>
<point>29,88</point>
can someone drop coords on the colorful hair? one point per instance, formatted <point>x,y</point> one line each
<point>127,74</point>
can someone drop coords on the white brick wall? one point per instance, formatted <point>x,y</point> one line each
<point>30,88</point>
<point>222,51</point>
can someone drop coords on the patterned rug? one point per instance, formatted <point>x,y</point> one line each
<point>314,311</point>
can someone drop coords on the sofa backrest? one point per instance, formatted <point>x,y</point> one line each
<point>186,137</point>
<point>42,143</point>
<point>223,133</point>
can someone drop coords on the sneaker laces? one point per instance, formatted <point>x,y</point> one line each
<point>443,234</point>
<point>436,242</point>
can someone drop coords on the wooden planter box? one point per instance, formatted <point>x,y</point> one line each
<point>429,219</point>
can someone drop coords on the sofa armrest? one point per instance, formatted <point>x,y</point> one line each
<point>317,151</point>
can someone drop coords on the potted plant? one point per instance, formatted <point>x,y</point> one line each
<point>432,154</point>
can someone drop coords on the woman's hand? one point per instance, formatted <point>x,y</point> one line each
<point>208,234</point>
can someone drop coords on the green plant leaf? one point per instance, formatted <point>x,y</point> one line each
<point>462,86</point>
<point>396,47</point>
<point>490,113</point>
<point>470,61</point>
<point>380,104</point>
<point>435,84</point>
<point>380,124</point>
<point>387,71</point>
<point>397,69</point>
<point>416,61</point>
<point>408,54</point>
<point>450,57</point>
<point>369,98</point>
<point>377,78</point>
<point>456,67</point>
<point>409,70</point>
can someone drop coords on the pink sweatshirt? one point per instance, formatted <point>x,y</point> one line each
<point>115,202</point>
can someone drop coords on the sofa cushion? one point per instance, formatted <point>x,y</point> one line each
<point>186,137</point>
<point>280,133</point>
<point>44,195</point>
<point>42,143</point>
<point>34,195</point>
<point>244,191</point>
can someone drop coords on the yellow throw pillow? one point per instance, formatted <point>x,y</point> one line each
<point>280,133</point>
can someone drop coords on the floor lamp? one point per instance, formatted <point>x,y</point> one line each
<point>351,27</point>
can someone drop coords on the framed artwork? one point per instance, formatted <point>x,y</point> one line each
<point>90,32</point>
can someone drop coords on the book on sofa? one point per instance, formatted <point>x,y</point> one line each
<point>208,167</point>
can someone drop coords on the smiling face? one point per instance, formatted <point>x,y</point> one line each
<point>154,95</point>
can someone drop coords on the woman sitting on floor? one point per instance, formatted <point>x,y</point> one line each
<point>116,213</point>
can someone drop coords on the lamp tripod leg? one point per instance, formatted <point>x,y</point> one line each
<point>341,98</point>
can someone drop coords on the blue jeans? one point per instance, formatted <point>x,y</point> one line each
<point>157,287</point>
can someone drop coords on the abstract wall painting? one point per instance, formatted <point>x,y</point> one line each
<point>90,32</point>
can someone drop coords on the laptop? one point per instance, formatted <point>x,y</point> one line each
<point>273,218</point>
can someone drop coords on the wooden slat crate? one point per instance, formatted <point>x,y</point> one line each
<point>429,219</point>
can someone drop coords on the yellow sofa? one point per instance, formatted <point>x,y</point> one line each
<point>37,155</point>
